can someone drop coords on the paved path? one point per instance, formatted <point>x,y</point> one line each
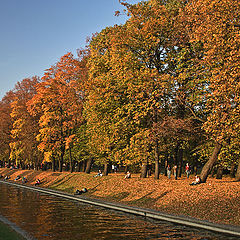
<point>192,222</point>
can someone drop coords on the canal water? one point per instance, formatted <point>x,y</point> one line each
<point>48,217</point>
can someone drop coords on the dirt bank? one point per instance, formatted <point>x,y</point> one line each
<point>216,200</point>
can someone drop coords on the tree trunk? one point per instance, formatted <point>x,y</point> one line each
<point>84,165</point>
<point>57,165</point>
<point>180,161</point>
<point>89,165</point>
<point>105,171</point>
<point>149,171</point>
<point>232,171</point>
<point>126,169</point>
<point>73,166</point>
<point>219,172</point>
<point>61,159</point>
<point>9,163</point>
<point>144,170</point>
<point>212,172</point>
<point>209,164</point>
<point>194,165</point>
<point>79,166</point>
<point>237,177</point>
<point>53,164</point>
<point>195,169</point>
<point>166,164</point>
<point>72,163</point>
<point>157,167</point>
<point>60,164</point>
<point>67,167</point>
<point>156,153</point>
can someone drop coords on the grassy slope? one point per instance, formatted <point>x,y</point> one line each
<point>216,200</point>
<point>6,233</point>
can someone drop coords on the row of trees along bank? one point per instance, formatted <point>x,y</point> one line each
<point>163,87</point>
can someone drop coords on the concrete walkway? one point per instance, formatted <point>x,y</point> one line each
<point>187,221</point>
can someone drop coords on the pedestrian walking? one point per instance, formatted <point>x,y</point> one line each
<point>169,171</point>
<point>187,170</point>
<point>175,172</point>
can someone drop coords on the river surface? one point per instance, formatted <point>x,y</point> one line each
<point>48,217</point>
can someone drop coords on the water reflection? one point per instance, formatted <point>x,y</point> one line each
<point>48,217</point>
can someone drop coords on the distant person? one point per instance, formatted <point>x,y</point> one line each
<point>128,175</point>
<point>6,177</point>
<point>187,170</point>
<point>17,178</point>
<point>169,171</point>
<point>149,170</point>
<point>79,192</point>
<point>197,181</point>
<point>175,172</point>
<point>24,180</point>
<point>99,174</point>
<point>38,182</point>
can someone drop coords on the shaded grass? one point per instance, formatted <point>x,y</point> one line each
<point>117,197</point>
<point>65,189</point>
<point>146,200</point>
<point>59,184</point>
<point>6,233</point>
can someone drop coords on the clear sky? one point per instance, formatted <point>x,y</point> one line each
<point>34,34</point>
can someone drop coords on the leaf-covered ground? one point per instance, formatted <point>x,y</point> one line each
<point>216,201</point>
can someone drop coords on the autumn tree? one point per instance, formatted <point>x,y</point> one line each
<point>214,24</point>
<point>59,102</point>
<point>187,95</point>
<point>104,100</point>
<point>25,127</point>
<point>80,151</point>
<point>166,70</point>
<point>135,80</point>
<point>146,45</point>
<point>5,126</point>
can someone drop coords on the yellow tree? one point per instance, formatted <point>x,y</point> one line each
<point>131,75</point>
<point>149,42</point>
<point>215,25</point>
<point>104,99</point>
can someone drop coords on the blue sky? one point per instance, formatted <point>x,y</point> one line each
<point>36,33</point>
